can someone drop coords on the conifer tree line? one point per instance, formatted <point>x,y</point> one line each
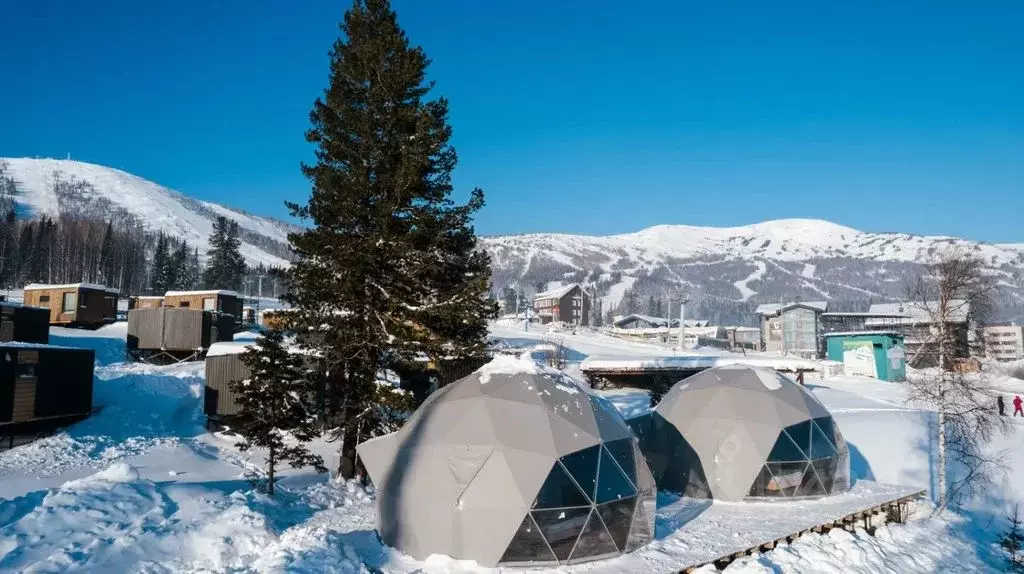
<point>94,241</point>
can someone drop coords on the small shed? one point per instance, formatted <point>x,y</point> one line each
<point>223,365</point>
<point>877,354</point>
<point>75,304</point>
<point>24,324</point>
<point>217,301</point>
<point>145,302</point>
<point>170,334</point>
<point>42,387</point>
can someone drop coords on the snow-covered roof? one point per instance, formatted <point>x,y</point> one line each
<point>208,292</point>
<point>859,333</point>
<point>908,313</point>
<point>773,308</point>
<point>22,345</point>
<point>140,297</point>
<point>555,293</point>
<point>694,361</point>
<point>229,348</point>
<point>94,286</point>
<point>867,314</point>
<point>661,321</point>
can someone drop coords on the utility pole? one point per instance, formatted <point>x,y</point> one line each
<point>682,321</point>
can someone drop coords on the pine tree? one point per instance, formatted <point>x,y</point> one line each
<point>510,301</point>
<point>1012,541</point>
<point>652,306</point>
<point>193,272</point>
<point>179,268</point>
<point>275,410</point>
<point>389,270</point>
<point>159,271</point>
<point>106,262</point>
<point>225,266</point>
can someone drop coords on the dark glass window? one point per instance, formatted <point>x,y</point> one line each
<point>810,485</point>
<point>622,452</point>
<point>611,483</point>
<point>561,528</point>
<point>617,517</point>
<point>763,484</point>
<point>528,545</point>
<point>594,540</point>
<point>826,469</point>
<point>44,298</point>
<point>559,490</point>
<point>582,465</point>
<point>642,530</point>
<point>801,435</point>
<point>828,428</point>
<point>821,447</point>
<point>785,450</point>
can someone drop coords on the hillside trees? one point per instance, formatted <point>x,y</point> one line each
<point>388,271</point>
<point>225,266</point>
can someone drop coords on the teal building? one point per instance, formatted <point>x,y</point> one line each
<point>878,354</point>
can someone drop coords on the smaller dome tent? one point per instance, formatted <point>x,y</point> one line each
<point>736,432</point>
<point>514,464</point>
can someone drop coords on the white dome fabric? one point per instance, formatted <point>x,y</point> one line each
<point>736,432</point>
<point>512,467</point>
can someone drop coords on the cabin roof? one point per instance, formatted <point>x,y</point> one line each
<point>94,286</point>
<point>207,292</point>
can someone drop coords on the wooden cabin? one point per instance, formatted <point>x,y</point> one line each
<point>145,302</point>
<point>218,301</point>
<point>75,304</point>
<point>42,387</point>
<point>169,334</point>
<point>24,324</point>
<point>277,319</point>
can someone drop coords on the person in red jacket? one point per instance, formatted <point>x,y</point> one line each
<point>1017,406</point>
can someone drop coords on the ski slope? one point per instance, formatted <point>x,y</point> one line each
<point>157,207</point>
<point>141,487</point>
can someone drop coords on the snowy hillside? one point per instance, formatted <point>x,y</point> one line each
<point>264,240</point>
<point>764,262</point>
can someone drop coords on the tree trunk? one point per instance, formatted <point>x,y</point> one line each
<point>940,454</point>
<point>270,471</point>
<point>349,439</point>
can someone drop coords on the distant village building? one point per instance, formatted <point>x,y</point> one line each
<point>743,337</point>
<point>921,334</point>
<point>569,304</point>
<point>1004,342</point>
<point>75,304</point>
<point>792,328</point>
<point>636,321</point>
<point>849,322</point>
<point>878,354</point>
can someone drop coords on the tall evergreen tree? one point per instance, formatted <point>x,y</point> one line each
<point>388,270</point>
<point>225,266</point>
<point>178,266</point>
<point>106,260</point>
<point>275,412</point>
<point>159,271</point>
<point>193,275</point>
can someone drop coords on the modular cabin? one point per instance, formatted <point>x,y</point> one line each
<point>169,334</point>
<point>75,304</point>
<point>24,324</point>
<point>879,354</point>
<point>145,302</point>
<point>216,301</point>
<point>42,387</point>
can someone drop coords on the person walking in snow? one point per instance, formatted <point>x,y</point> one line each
<point>1002,407</point>
<point>1016,406</point>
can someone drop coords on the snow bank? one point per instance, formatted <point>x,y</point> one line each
<point>512,365</point>
<point>695,361</point>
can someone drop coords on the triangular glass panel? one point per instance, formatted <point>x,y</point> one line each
<point>828,428</point>
<point>594,540</point>
<point>785,450</point>
<point>527,545</point>
<point>821,447</point>
<point>763,484</point>
<point>826,471</point>
<point>622,452</point>
<point>611,483</point>
<point>786,478</point>
<point>642,530</point>
<point>561,527</point>
<point>644,476</point>
<point>559,490</point>
<point>582,465</point>
<point>618,517</point>
<point>810,485</point>
<point>801,435</point>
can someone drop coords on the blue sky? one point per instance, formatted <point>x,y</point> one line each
<point>574,116</point>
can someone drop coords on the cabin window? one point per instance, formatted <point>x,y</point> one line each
<point>183,304</point>
<point>44,298</point>
<point>209,304</point>
<point>69,303</point>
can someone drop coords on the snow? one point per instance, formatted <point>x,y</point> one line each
<point>808,271</point>
<point>209,292</point>
<point>93,286</point>
<point>159,208</point>
<point>696,361</point>
<point>743,284</point>
<point>141,487</point>
<point>229,348</point>
<point>512,365</point>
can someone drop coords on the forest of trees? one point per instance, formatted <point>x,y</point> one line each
<point>95,241</point>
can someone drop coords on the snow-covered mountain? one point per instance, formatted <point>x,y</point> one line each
<point>264,240</point>
<point>735,267</point>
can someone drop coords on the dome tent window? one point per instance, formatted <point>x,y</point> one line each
<point>531,468</point>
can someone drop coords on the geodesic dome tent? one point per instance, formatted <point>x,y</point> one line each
<point>514,464</point>
<point>735,432</point>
